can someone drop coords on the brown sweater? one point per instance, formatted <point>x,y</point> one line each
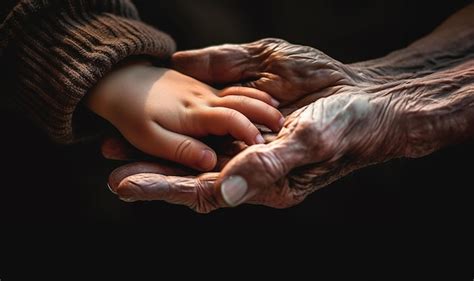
<point>57,50</point>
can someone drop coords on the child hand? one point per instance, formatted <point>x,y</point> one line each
<point>159,111</point>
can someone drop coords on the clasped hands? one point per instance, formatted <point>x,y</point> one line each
<point>332,126</point>
<point>338,118</point>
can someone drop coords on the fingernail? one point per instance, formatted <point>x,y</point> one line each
<point>233,190</point>
<point>259,139</point>
<point>282,122</point>
<point>110,188</point>
<point>275,103</point>
<point>207,160</point>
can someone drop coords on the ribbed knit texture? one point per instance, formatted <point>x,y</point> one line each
<point>59,49</point>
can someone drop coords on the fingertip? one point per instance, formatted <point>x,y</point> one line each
<point>234,190</point>
<point>259,139</point>
<point>125,191</point>
<point>175,58</point>
<point>252,135</point>
<point>281,122</point>
<point>275,103</point>
<point>186,61</point>
<point>180,55</point>
<point>207,161</point>
<point>277,123</point>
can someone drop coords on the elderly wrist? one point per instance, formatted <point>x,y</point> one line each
<point>406,128</point>
<point>385,129</point>
<point>436,110</point>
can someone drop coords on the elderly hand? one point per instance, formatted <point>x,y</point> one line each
<point>336,135</point>
<point>286,71</point>
<point>355,127</point>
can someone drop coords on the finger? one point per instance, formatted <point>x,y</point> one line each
<point>197,193</point>
<point>160,167</point>
<point>219,64</point>
<point>178,148</point>
<point>251,93</point>
<point>169,169</point>
<point>269,83</point>
<point>225,121</point>
<point>256,110</point>
<point>258,169</point>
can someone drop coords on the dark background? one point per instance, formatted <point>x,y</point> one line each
<point>43,183</point>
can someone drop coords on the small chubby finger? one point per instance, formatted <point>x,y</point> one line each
<point>178,148</point>
<point>225,121</point>
<point>256,110</point>
<point>251,93</point>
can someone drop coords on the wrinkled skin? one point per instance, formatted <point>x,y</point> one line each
<point>304,130</point>
<point>289,72</point>
<point>340,133</point>
<point>339,117</point>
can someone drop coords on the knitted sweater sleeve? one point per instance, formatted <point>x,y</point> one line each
<point>57,50</point>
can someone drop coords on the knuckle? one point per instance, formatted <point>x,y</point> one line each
<point>218,101</point>
<point>271,164</point>
<point>240,101</point>
<point>223,92</point>
<point>231,116</point>
<point>250,127</point>
<point>182,150</point>
<point>250,84</point>
<point>267,41</point>
<point>205,199</point>
<point>214,100</point>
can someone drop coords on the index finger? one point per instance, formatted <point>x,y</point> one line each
<point>219,64</point>
<point>223,121</point>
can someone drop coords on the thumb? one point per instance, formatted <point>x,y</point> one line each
<point>217,65</point>
<point>256,171</point>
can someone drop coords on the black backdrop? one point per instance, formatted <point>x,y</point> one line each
<point>43,183</point>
